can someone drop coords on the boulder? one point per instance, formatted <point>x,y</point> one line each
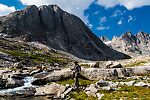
<point>91,90</point>
<point>111,64</point>
<point>52,89</point>
<point>130,83</point>
<point>36,71</point>
<point>18,76</point>
<point>26,92</point>
<point>99,96</point>
<point>102,83</point>
<point>12,83</point>
<point>2,82</point>
<point>99,64</point>
<point>39,82</point>
<point>58,75</point>
<point>142,84</point>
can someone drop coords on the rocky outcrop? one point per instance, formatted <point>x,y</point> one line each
<point>97,74</point>
<point>130,44</point>
<point>58,29</point>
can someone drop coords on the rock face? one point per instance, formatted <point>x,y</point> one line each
<point>57,29</point>
<point>131,44</point>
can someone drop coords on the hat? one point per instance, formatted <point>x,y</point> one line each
<point>75,62</point>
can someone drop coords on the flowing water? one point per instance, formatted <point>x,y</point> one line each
<point>28,81</point>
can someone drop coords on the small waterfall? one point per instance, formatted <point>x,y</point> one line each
<point>27,80</point>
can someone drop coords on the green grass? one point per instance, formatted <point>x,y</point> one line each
<point>22,51</point>
<point>127,93</point>
<point>136,63</point>
<point>121,80</point>
<point>85,65</point>
<point>80,95</point>
<point>81,82</point>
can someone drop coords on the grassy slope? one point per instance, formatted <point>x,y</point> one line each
<point>22,51</point>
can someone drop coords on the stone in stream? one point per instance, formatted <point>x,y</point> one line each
<point>39,82</point>
<point>2,82</point>
<point>12,83</point>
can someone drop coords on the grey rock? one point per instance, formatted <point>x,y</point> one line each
<point>58,29</point>
<point>102,83</point>
<point>142,84</point>
<point>12,83</point>
<point>52,89</point>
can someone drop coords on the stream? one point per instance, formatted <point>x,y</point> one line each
<point>27,80</point>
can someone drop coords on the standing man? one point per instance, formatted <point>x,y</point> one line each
<point>76,73</point>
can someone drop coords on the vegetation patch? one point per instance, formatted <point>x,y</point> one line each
<point>136,63</point>
<point>81,82</point>
<point>85,65</point>
<point>80,95</point>
<point>127,93</point>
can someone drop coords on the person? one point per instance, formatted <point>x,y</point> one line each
<point>76,73</point>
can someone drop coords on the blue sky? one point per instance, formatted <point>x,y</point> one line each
<point>105,18</point>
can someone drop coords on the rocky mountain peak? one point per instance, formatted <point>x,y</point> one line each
<point>129,38</point>
<point>50,25</point>
<point>104,39</point>
<point>143,37</point>
<point>131,44</point>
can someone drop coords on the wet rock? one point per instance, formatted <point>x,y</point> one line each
<point>12,83</point>
<point>18,76</point>
<point>39,82</point>
<point>2,82</point>
<point>26,92</point>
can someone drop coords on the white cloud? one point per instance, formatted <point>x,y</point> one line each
<point>4,9</point>
<point>103,19</point>
<point>103,28</point>
<point>96,12</point>
<point>76,7</point>
<point>129,4</point>
<point>120,22</point>
<point>117,13</point>
<point>131,19</point>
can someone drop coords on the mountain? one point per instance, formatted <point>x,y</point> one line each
<point>128,43</point>
<point>104,39</point>
<point>52,26</point>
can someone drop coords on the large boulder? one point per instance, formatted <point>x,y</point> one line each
<point>52,89</point>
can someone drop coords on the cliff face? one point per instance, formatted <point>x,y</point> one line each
<point>58,29</point>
